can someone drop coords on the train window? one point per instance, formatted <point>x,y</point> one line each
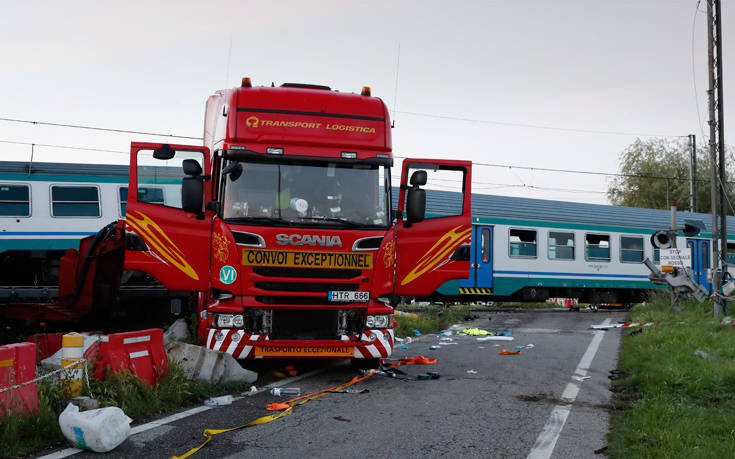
<point>522,243</point>
<point>75,201</point>
<point>656,255</point>
<point>485,245</point>
<point>561,246</point>
<point>15,201</point>
<point>145,194</point>
<point>123,200</point>
<point>730,253</point>
<point>631,249</point>
<point>597,247</point>
<point>159,181</point>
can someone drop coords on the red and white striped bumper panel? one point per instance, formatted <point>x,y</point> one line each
<point>372,344</point>
<point>381,346</point>
<point>241,347</point>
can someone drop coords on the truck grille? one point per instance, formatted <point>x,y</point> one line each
<point>305,286</point>
<point>314,324</point>
<point>294,300</point>
<point>299,324</point>
<point>307,273</point>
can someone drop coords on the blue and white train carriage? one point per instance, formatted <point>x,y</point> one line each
<point>532,249</point>
<point>45,208</point>
<point>522,249</point>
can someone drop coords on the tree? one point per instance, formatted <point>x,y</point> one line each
<point>656,171</point>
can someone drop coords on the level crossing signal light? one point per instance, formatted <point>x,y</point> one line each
<point>664,239</point>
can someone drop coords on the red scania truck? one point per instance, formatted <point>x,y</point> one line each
<point>281,226</point>
<point>285,227</point>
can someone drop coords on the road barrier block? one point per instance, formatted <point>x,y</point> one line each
<point>141,352</point>
<point>18,366</point>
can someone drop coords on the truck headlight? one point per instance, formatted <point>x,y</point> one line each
<point>229,321</point>
<point>382,321</point>
<point>378,321</point>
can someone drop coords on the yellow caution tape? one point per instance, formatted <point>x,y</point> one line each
<point>209,433</point>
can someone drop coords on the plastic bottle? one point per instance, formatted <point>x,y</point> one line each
<point>285,391</point>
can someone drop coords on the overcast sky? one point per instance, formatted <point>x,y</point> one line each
<point>470,80</point>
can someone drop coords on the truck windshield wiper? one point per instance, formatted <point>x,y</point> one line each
<point>259,221</point>
<point>333,219</point>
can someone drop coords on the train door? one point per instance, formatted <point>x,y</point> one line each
<point>481,261</point>
<point>700,249</point>
<point>483,256</point>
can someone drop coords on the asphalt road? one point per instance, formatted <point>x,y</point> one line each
<point>484,404</point>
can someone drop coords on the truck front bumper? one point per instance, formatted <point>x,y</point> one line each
<point>371,344</point>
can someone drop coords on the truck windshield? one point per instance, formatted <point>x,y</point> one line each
<point>313,194</point>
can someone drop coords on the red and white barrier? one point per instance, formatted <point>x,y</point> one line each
<point>18,366</point>
<point>141,352</point>
<point>566,302</point>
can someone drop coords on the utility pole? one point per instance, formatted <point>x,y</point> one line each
<point>693,173</point>
<point>717,153</point>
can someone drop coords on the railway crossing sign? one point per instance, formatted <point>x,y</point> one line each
<point>681,258</point>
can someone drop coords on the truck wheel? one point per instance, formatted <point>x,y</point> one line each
<point>364,364</point>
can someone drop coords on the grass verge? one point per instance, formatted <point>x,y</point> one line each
<point>673,402</point>
<point>22,435</point>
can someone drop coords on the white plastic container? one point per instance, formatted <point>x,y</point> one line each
<point>219,401</point>
<point>100,430</point>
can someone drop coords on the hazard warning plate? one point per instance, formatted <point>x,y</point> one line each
<point>304,351</point>
<point>362,296</point>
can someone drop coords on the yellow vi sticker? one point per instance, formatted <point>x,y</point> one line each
<point>294,259</point>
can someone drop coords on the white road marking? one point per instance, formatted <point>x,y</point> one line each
<point>548,437</point>
<point>175,417</point>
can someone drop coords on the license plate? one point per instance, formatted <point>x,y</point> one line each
<point>354,297</point>
<point>304,351</point>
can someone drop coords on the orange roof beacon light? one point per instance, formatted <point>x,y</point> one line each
<point>246,82</point>
<point>365,91</point>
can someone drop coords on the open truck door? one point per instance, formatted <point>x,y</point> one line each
<point>168,228</point>
<point>432,248</point>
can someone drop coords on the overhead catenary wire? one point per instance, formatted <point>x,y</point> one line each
<point>66,147</point>
<point>575,171</point>
<point>495,165</point>
<point>536,126</point>
<point>97,128</point>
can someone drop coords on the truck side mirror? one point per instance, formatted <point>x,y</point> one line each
<point>416,198</point>
<point>234,170</point>
<point>164,152</point>
<point>192,187</point>
<point>418,178</point>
